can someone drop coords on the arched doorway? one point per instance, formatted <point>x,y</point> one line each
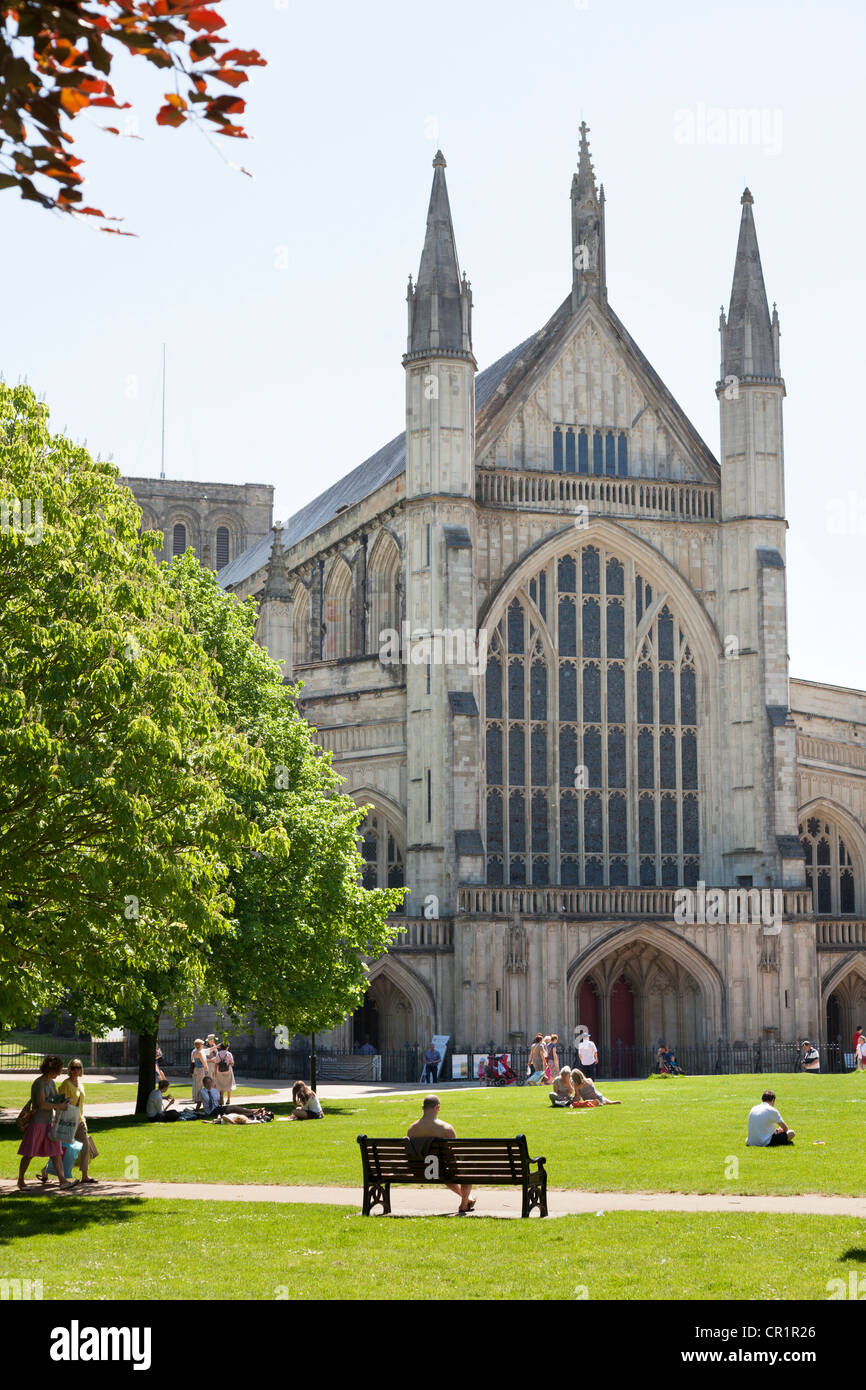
<point>387,1015</point>
<point>644,986</point>
<point>844,994</point>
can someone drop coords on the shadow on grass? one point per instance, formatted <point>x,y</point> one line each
<point>25,1217</point>
<point>855,1253</point>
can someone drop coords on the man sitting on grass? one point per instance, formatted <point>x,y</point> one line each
<point>431,1127</point>
<point>766,1126</point>
<point>158,1103</point>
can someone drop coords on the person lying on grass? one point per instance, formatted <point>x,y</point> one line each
<point>431,1127</point>
<point>585,1090</point>
<point>237,1115</point>
<point>305,1103</point>
<point>766,1126</point>
<point>563,1088</point>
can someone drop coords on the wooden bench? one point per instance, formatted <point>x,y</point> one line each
<point>481,1162</point>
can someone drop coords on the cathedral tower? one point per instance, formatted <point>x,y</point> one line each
<point>441,655</point>
<point>760,737</point>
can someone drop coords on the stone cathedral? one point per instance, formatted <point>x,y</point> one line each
<point>543,632</point>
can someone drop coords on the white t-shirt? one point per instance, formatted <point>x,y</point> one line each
<point>763,1120</point>
<point>587,1052</point>
<point>312,1106</point>
<point>154,1103</point>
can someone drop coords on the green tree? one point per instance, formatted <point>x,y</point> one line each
<point>117,836</point>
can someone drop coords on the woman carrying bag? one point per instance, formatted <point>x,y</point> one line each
<point>37,1141</point>
<point>72,1090</point>
<point>198,1068</point>
<point>224,1075</point>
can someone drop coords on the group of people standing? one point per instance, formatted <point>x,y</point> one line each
<point>543,1059</point>
<point>54,1127</point>
<point>212,1062</point>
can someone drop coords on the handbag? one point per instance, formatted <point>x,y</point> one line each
<point>65,1124</point>
<point>25,1115</point>
<point>192,1068</point>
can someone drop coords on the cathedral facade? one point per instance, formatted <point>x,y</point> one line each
<point>543,634</point>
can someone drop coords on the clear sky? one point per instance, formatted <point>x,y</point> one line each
<point>282,300</point>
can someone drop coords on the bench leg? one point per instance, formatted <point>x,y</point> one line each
<point>377,1194</point>
<point>534,1195</point>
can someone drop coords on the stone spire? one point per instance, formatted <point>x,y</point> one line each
<point>587,230</point>
<point>750,341</point>
<point>440,303</point>
<point>278,584</point>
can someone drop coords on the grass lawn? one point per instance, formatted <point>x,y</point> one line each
<point>683,1134</point>
<point>111,1249</point>
<point>13,1094</point>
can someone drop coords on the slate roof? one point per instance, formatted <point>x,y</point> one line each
<point>387,463</point>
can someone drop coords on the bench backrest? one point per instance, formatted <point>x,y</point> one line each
<point>456,1160</point>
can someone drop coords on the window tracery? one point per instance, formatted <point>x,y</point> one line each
<point>591,732</point>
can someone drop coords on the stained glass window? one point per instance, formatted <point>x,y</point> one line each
<point>593,746</point>
<point>829,867</point>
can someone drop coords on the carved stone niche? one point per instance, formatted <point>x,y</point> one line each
<point>515,957</point>
<point>769,960</point>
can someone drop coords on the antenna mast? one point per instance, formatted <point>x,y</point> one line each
<point>162,455</point>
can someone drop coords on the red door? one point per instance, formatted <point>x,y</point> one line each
<point>587,1009</point>
<point>622,1029</point>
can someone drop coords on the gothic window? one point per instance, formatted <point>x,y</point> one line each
<point>597,453</point>
<point>222,546</point>
<point>610,454</point>
<point>557,450</point>
<point>338,611</point>
<point>582,452</point>
<point>301,624</point>
<point>382,854</point>
<point>622,456</point>
<point>829,868</point>
<point>178,539</point>
<point>591,735</point>
<point>569,452</point>
<point>383,592</point>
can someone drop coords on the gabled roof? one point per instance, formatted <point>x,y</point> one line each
<point>529,363</point>
<point>387,463</point>
<point>493,408</point>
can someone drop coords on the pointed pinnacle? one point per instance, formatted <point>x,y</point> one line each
<point>439,161</point>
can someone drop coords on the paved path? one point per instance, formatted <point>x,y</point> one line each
<point>410,1201</point>
<point>272,1093</point>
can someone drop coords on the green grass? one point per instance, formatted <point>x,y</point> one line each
<point>28,1049</point>
<point>686,1134</point>
<point>14,1093</point>
<point>136,1249</point>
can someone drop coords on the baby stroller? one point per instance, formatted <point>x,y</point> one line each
<point>498,1072</point>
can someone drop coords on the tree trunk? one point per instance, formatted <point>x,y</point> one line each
<point>146,1070</point>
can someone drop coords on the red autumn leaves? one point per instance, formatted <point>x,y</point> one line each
<point>55,61</point>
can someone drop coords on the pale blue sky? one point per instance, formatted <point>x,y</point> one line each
<point>293,376</point>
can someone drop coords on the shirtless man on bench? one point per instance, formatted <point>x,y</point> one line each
<point>431,1127</point>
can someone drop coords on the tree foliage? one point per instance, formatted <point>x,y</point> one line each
<point>117,836</point>
<point>56,60</point>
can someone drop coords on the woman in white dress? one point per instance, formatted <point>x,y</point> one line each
<point>198,1062</point>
